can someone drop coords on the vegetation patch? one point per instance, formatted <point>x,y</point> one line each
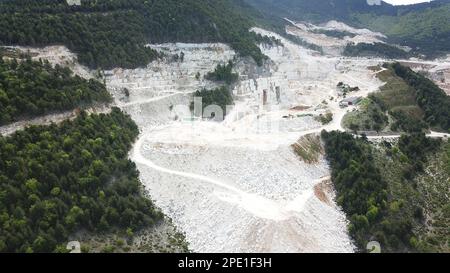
<point>326,118</point>
<point>334,33</point>
<point>345,88</point>
<point>31,88</point>
<point>376,49</point>
<point>369,117</point>
<point>160,238</point>
<point>223,73</point>
<point>267,40</point>
<point>395,92</point>
<point>407,119</point>
<point>216,97</point>
<point>309,148</point>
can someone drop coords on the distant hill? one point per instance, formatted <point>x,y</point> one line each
<point>424,27</point>
<point>320,10</point>
<point>324,10</point>
<point>426,30</point>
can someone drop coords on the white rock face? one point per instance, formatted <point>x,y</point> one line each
<point>170,77</point>
<point>332,45</point>
<point>164,84</point>
<point>339,26</point>
<point>73,2</point>
<point>60,55</point>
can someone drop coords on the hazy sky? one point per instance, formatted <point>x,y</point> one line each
<point>405,2</point>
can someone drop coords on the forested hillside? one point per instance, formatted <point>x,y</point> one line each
<point>379,188</point>
<point>31,88</point>
<point>58,179</point>
<point>112,33</point>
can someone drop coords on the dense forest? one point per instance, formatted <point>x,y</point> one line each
<point>30,88</point>
<point>58,179</point>
<point>377,190</point>
<point>361,191</point>
<point>113,33</point>
<point>377,49</point>
<point>433,100</point>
